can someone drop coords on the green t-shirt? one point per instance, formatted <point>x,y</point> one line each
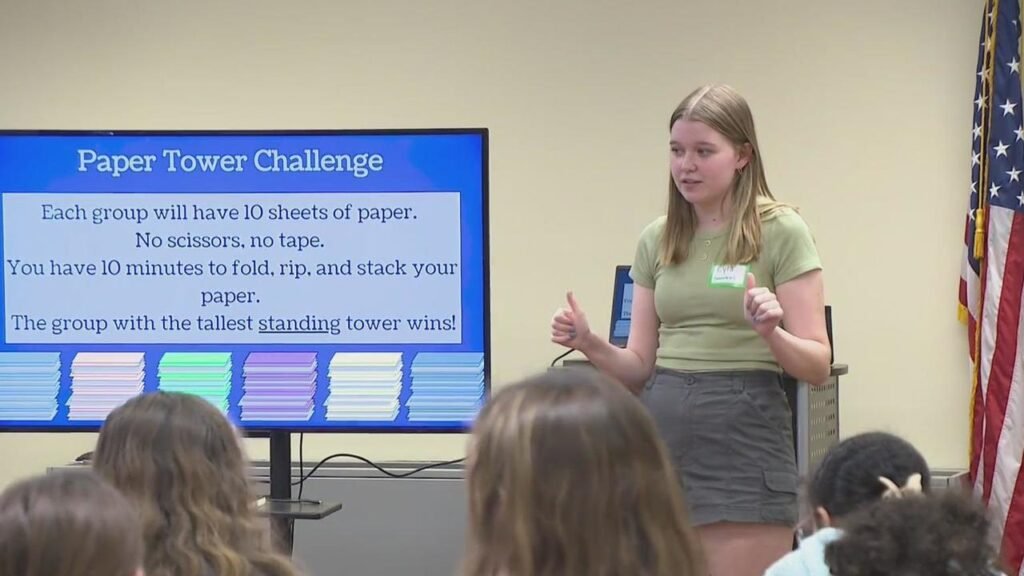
<point>702,327</point>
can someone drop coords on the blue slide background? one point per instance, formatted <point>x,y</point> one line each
<point>420,162</point>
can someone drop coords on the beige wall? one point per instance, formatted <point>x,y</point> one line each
<point>863,110</point>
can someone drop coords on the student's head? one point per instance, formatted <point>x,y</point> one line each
<point>715,162</point>
<point>567,475</point>
<point>68,523</point>
<point>180,460</point>
<point>174,452</point>
<point>945,534</point>
<point>860,470</point>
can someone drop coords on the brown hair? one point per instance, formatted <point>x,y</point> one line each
<point>725,111</point>
<point>180,460</point>
<point>567,475</point>
<point>943,534</point>
<point>67,523</point>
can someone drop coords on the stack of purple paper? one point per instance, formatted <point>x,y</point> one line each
<point>278,386</point>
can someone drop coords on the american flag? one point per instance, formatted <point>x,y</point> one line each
<point>992,278</point>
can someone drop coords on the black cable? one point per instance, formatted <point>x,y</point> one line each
<point>362,459</point>
<point>302,482</point>
<point>382,471</point>
<point>562,355</point>
<point>303,477</point>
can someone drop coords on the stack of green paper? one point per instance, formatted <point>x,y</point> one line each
<point>204,374</point>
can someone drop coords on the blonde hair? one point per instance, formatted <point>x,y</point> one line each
<point>67,523</point>
<point>181,462</point>
<point>725,111</point>
<point>566,476</point>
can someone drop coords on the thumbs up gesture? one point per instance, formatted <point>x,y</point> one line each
<point>761,308</point>
<point>569,326</point>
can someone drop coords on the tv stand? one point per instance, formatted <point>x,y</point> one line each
<point>279,506</point>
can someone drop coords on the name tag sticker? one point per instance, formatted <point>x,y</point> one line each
<point>728,276</point>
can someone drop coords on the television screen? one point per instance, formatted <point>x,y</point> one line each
<point>298,280</point>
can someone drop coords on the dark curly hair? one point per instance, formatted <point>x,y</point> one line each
<point>847,477</point>
<point>944,534</point>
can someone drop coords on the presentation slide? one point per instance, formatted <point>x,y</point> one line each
<point>309,281</point>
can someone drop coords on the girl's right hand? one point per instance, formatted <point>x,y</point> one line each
<point>569,326</point>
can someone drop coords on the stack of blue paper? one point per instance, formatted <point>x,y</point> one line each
<point>446,386</point>
<point>29,384</point>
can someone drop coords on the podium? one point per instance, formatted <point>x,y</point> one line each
<point>815,417</point>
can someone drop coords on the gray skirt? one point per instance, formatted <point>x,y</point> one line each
<point>730,437</point>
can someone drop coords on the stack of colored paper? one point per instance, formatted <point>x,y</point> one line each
<point>29,384</point>
<point>446,386</point>
<point>278,386</point>
<point>203,374</point>
<point>364,386</point>
<point>102,381</point>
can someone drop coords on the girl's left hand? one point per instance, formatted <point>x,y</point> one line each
<point>761,308</point>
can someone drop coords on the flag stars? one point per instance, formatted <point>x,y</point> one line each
<point>994,191</point>
<point>1000,150</point>
<point>1014,174</point>
<point>1021,198</point>
<point>977,132</point>
<point>1014,65</point>
<point>1020,133</point>
<point>980,102</point>
<point>1008,107</point>
<point>976,159</point>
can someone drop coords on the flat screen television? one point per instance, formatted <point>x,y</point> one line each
<point>301,281</point>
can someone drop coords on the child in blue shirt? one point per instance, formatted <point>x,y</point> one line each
<point>856,473</point>
<point>944,534</point>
